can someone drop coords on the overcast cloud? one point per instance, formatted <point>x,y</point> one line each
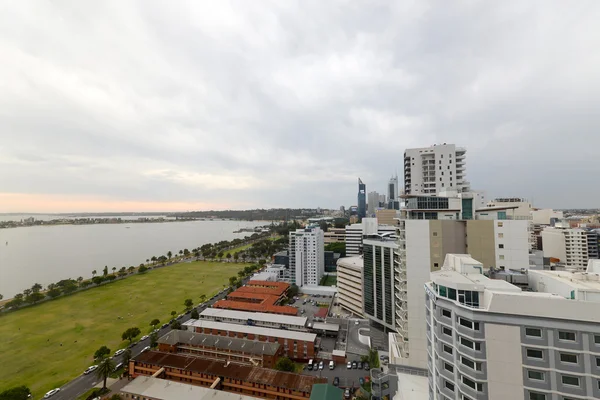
<point>156,105</point>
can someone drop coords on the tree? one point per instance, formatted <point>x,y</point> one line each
<point>339,247</point>
<point>176,325</point>
<point>34,297</point>
<point>220,255</point>
<point>232,280</point>
<point>131,269</point>
<point>285,364</point>
<point>202,298</point>
<point>69,288</point>
<point>228,256</point>
<point>97,280</point>
<point>323,226</point>
<point>173,314</point>
<point>36,287</point>
<point>16,393</point>
<point>126,358</point>
<point>101,353</point>
<point>115,397</point>
<point>54,292</point>
<point>194,314</point>
<point>169,254</point>
<point>236,257</point>
<point>153,339</point>
<point>123,271</point>
<point>241,273</point>
<point>154,322</point>
<point>105,271</point>
<point>142,269</point>
<point>27,292</point>
<point>79,280</point>
<point>147,260</point>
<point>293,290</point>
<point>94,273</point>
<point>105,368</point>
<point>186,252</point>
<point>1,297</point>
<point>188,303</point>
<point>153,259</point>
<point>114,269</point>
<point>130,333</point>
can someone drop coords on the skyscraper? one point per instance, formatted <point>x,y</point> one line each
<point>372,203</point>
<point>392,193</point>
<point>362,199</point>
<point>435,169</point>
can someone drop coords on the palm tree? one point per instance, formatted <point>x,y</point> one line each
<point>104,370</point>
<point>153,259</point>
<point>114,270</point>
<point>169,254</point>
<point>93,273</point>
<point>147,260</point>
<point>79,280</point>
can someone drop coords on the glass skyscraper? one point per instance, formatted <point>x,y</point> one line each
<point>362,199</point>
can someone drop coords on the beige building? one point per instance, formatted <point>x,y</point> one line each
<point>335,235</point>
<point>570,246</point>
<point>350,284</point>
<point>386,217</point>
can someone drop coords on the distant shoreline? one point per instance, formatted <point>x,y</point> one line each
<point>31,221</point>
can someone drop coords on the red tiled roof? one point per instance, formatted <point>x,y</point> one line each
<point>256,307</point>
<point>322,313</point>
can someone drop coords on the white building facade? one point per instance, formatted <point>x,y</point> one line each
<point>356,232</point>
<point>568,245</point>
<point>307,260</point>
<point>430,170</point>
<point>488,339</point>
<point>350,284</point>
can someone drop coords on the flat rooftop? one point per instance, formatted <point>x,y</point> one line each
<point>177,337</point>
<point>147,386</point>
<point>254,330</point>
<point>576,280</point>
<point>355,262</point>
<point>244,316</point>
<point>262,376</point>
<point>263,307</point>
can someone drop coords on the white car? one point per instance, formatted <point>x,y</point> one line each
<point>90,369</point>
<point>349,366</point>
<point>119,352</point>
<point>51,393</point>
<point>144,337</point>
<point>145,349</point>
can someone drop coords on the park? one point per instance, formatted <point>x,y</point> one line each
<point>47,345</point>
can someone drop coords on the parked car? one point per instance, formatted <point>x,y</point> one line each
<point>119,352</point>
<point>349,366</point>
<point>164,326</point>
<point>144,337</point>
<point>367,366</point>
<point>51,393</point>
<point>354,365</point>
<point>320,365</point>
<point>347,393</point>
<point>360,365</point>
<point>361,381</point>
<point>91,369</point>
<point>310,364</point>
<point>336,381</point>
<point>145,349</point>
<point>331,365</point>
<point>118,367</point>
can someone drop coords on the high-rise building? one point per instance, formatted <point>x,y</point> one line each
<point>434,169</point>
<point>378,281</point>
<point>356,232</point>
<point>429,228</point>
<point>569,246</point>
<point>593,242</point>
<point>350,284</point>
<point>392,191</point>
<point>307,260</point>
<point>488,339</point>
<point>362,199</point>
<point>372,203</point>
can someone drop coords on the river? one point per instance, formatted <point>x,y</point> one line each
<point>47,254</point>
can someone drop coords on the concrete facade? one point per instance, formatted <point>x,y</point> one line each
<point>350,284</point>
<point>307,261</point>
<point>570,246</point>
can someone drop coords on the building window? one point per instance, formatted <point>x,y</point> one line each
<point>501,256</point>
<point>568,358</point>
<point>470,344</point>
<point>597,339</point>
<point>472,384</point>
<point>598,362</point>
<point>535,353</point>
<point>447,349</point>
<point>535,375</point>
<point>537,396</point>
<point>570,380</point>
<point>533,332</point>
<point>500,235</point>
<point>500,246</point>
<point>447,331</point>
<point>500,224</point>
<point>446,313</point>
<point>448,367</point>
<point>468,324</point>
<point>470,363</point>
<point>434,233</point>
<point>449,386</point>
<point>570,336</point>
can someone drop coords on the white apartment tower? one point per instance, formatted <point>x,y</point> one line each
<point>488,339</point>
<point>356,232</point>
<point>569,246</point>
<point>435,169</point>
<point>307,259</point>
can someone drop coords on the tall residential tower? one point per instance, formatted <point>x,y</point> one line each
<point>307,260</point>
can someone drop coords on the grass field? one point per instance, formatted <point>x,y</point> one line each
<point>30,349</point>
<point>329,280</point>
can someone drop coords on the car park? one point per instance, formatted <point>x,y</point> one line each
<point>349,366</point>
<point>51,393</point>
<point>119,352</point>
<point>336,381</point>
<point>89,370</point>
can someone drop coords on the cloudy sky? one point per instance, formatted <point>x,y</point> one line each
<point>155,105</point>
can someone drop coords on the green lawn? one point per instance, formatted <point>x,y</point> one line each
<point>30,349</point>
<point>329,280</point>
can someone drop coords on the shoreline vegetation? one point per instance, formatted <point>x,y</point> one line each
<point>255,248</point>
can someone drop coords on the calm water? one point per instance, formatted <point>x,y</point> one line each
<point>47,254</point>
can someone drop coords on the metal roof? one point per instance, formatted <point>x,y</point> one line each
<point>255,316</point>
<point>175,337</point>
<point>254,330</point>
<point>155,388</point>
<point>321,326</point>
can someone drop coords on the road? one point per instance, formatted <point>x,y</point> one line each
<point>78,386</point>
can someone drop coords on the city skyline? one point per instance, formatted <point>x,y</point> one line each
<point>150,107</point>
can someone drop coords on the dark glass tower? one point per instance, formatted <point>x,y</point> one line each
<point>362,199</point>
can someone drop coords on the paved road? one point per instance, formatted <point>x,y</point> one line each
<point>83,383</point>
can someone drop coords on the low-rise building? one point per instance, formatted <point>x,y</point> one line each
<point>350,284</point>
<point>255,319</point>
<point>334,235</point>
<point>296,345</point>
<point>258,296</point>
<point>241,379</point>
<point>387,217</point>
<point>150,388</point>
<point>215,347</point>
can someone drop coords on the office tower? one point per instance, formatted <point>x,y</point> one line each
<point>372,203</point>
<point>378,280</point>
<point>362,199</point>
<point>382,202</point>
<point>430,228</point>
<point>356,232</point>
<point>488,339</point>
<point>569,246</point>
<point>431,170</point>
<point>392,192</point>
<point>307,260</point>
